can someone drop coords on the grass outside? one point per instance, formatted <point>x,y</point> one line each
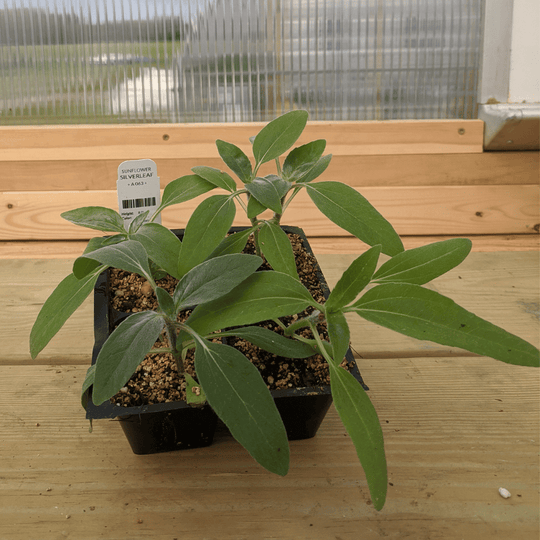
<point>67,83</point>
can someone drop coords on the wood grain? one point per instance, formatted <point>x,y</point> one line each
<point>92,142</point>
<point>446,210</point>
<point>455,431</point>
<point>356,170</point>
<point>339,245</point>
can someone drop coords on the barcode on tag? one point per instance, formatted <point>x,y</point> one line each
<point>138,203</point>
<point>138,190</point>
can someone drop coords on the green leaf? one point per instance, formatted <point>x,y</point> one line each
<point>269,191</point>
<point>301,160</point>
<point>362,424</point>
<point>184,189</point>
<point>215,176</point>
<point>316,170</point>
<point>157,272</point>
<point>425,263</point>
<point>166,303</point>
<point>87,383</point>
<point>235,159</point>
<point>234,243</point>
<point>237,393</point>
<point>205,230</point>
<point>214,278</point>
<point>354,279</point>
<point>96,217</point>
<point>262,296</point>
<point>58,308</point>
<point>339,334</point>
<point>277,249</point>
<point>424,314</point>
<point>83,267</point>
<point>135,225</point>
<point>195,395</point>
<point>273,342</point>
<point>114,239</point>
<point>123,351</point>
<point>162,246</point>
<point>129,256</point>
<point>278,136</point>
<point>351,211</point>
<point>254,208</point>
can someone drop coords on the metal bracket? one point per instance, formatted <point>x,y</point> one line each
<point>511,126</point>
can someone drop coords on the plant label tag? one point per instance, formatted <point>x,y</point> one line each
<point>138,189</point>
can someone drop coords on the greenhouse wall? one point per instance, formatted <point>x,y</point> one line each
<point>123,61</point>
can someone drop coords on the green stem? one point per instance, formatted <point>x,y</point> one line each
<point>276,218</point>
<point>160,350</point>
<point>254,223</point>
<point>236,195</point>
<point>320,344</point>
<point>302,323</point>
<point>293,195</point>
<point>155,214</point>
<point>177,355</point>
<point>278,166</point>
<point>280,324</point>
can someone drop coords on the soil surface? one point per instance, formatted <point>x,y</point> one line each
<point>156,379</point>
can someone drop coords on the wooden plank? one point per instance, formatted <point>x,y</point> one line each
<point>455,431</point>
<point>501,287</point>
<point>447,210</point>
<point>26,284</point>
<point>91,142</point>
<point>71,249</point>
<point>341,244</point>
<point>356,170</point>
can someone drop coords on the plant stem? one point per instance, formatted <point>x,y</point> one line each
<point>320,343</point>
<point>302,323</point>
<point>293,195</point>
<point>276,218</point>
<point>237,195</point>
<point>278,166</point>
<point>177,355</point>
<point>160,350</point>
<point>254,223</point>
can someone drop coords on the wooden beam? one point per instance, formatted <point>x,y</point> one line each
<point>121,142</point>
<point>502,168</point>
<point>419,210</point>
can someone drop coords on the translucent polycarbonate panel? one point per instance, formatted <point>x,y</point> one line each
<point>382,59</point>
<point>82,61</point>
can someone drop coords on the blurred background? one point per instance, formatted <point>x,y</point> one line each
<point>123,61</point>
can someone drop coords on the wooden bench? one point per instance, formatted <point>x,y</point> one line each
<point>456,426</point>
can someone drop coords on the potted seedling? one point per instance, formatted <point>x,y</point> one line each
<point>227,295</point>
